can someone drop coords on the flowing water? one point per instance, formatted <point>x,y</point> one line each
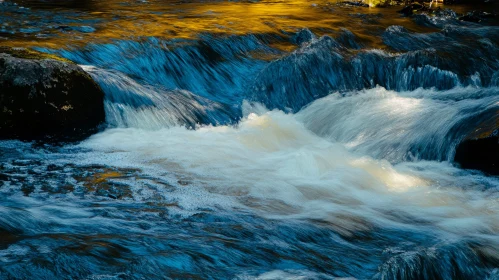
<point>239,145</point>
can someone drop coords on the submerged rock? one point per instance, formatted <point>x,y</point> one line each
<point>421,11</point>
<point>46,97</point>
<point>480,149</point>
<point>303,36</point>
<point>410,9</point>
<point>356,3</point>
<point>480,17</point>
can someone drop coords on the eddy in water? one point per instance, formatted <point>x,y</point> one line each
<point>249,140</point>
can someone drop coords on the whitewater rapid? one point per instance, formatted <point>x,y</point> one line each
<point>272,165</point>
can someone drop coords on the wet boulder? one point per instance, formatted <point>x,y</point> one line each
<point>480,17</point>
<point>480,149</point>
<point>44,97</point>
<point>410,9</point>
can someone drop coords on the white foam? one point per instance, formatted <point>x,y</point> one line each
<point>272,165</point>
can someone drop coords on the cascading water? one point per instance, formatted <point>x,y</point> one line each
<point>231,158</point>
<point>130,104</point>
<point>406,126</point>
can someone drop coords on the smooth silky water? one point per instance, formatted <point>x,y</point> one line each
<point>234,149</point>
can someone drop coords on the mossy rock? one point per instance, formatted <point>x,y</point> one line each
<point>30,54</point>
<point>45,97</point>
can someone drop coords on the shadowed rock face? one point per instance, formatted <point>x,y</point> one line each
<point>46,97</point>
<point>481,154</point>
<point>480,149</point>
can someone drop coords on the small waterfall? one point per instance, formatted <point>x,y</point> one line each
<point>327,65</point>
<point>212,67</point>
<point>420,84</point>
<point>130,104</point>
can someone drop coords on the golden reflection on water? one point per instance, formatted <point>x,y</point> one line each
<point>115,19</point>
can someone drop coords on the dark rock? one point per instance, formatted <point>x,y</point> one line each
<point>44,97</point>
<point>4,177</point>
<point>479,17</point>
<point>471,17</point>
<point>53,167</point>
<point>356,3</point>
<point>410,9</point>
<point>480,149</point>
<point>445,13</point>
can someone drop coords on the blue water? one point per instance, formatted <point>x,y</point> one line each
<point>334,160</point>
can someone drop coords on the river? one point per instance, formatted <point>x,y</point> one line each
<point>256,140</point>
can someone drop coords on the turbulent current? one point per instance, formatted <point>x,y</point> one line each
<point>228,157</point>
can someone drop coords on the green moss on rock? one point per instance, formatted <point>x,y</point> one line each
<point>31,54</point>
